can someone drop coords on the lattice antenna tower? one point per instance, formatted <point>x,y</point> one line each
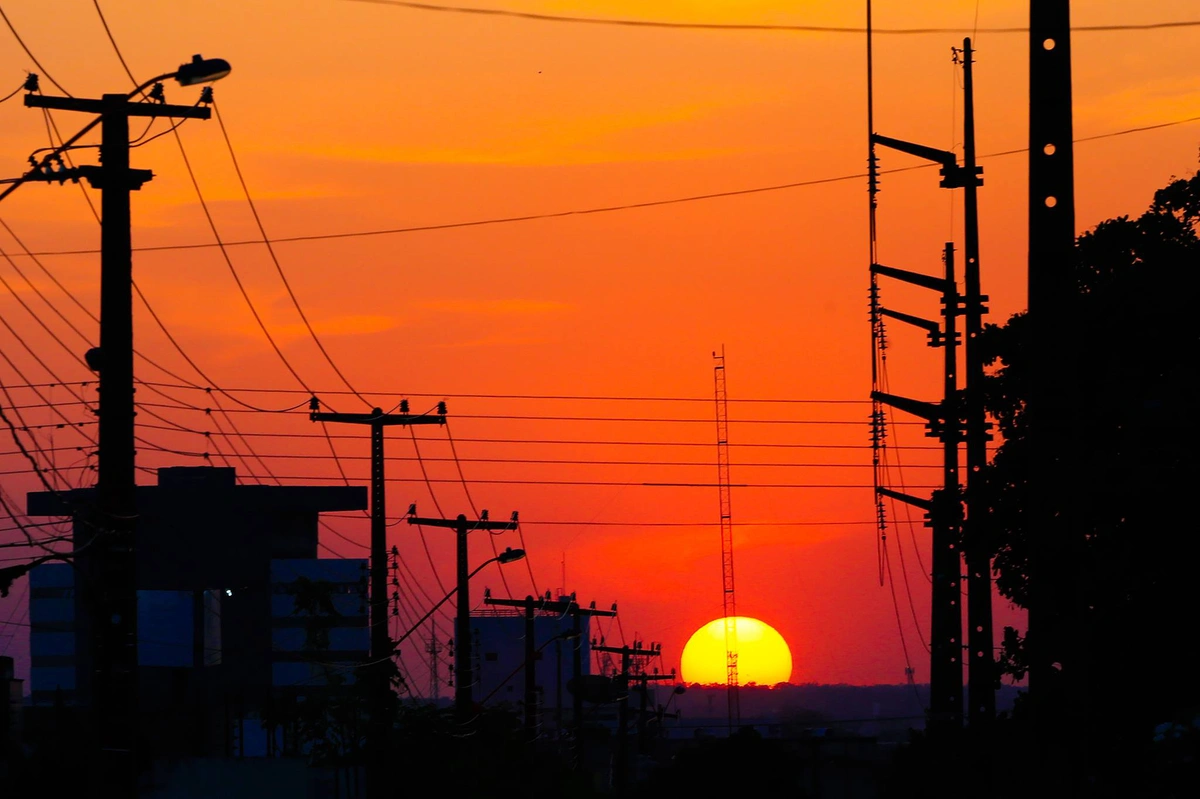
<point>728,602</point>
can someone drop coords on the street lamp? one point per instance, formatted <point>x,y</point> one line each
<point>507,556</point>
<point>462,622</point>
<point>111,590</point>
<point>529,665</point>
<point>200,70</point>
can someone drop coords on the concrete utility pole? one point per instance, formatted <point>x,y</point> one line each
<point>434,650</point>
<point>981,663</point>
<point>955,422</point>
<point>577,613</point>
<point>627,653</point>
<point>381,644</point>
<point>944,509</point>
<point>546,605</point>
<point>109,570</point>
<point>531,607</point>
<point>463,680</point>
<point>1056,619</point>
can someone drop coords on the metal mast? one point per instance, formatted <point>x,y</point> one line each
<point>728,603</point>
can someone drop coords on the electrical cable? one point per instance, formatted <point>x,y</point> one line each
<point>437,506</point>
<point>573,442</point>
<point>603,209</point>
<point>471,502</point>
<point>744,26</point>
<point>13,93</point>
<point>233,271</point>
<point>275,260</point>
<point>29,53</point>
<point>593,398</point>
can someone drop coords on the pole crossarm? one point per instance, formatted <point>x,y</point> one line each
<point>378,417</point>
<point>929,411</point>
<point>916,278</point>
<point>936,339</point>
<point>546,605</point>
<point>953,175</point>
<point>132,109</point>
<point>464,524</point>
<point>944,157</point>
<point>917,502</point>
<point>631,651</point>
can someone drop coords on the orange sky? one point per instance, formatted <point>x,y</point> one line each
<point>348,116</point>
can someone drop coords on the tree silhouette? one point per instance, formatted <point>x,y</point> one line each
<point>1129,470</point>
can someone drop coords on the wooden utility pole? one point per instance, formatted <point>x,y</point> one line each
<point>381,644</point>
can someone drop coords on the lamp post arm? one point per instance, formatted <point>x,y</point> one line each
<point>517,670</point>
<point>17,183</point>
<point>440,602</point>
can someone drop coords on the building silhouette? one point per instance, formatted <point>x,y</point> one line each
<point>221,638</point>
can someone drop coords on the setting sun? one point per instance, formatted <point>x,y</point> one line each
<point>763,656</point>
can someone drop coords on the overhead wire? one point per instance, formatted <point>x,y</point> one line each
<point>275,259</point>
<point>13,93</point>
<point>30,54</point>
<point>601,209</point>
<point>745,26</point>
<point>471,502</point>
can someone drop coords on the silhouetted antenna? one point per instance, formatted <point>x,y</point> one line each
<point>728,602</point>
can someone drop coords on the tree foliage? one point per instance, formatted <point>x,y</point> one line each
<point>1125,489</point>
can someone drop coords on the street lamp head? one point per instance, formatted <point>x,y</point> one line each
<point>509,555</point>
<point>202,70</point>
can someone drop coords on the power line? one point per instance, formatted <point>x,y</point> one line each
<point>745,26</point>
<point>29,53</point>
<point>625,483</point>
<point>262,231</point>
<point>233,270</point>
<point>599,209</point>
<point>576,442</point>
<point>569,462</point>
<point>565,397</point>
<point>625,419</point>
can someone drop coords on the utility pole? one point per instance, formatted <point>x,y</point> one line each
<point>463,679</point>
<point>627,653</point>
<point>981,668</point>
<point>548,606</point>
<point>531,607</point>
<point>1056,620</point>
<point>381,644</point>
<point>109,584</point>
<point>967,423</point>
<point>434,650</point>
<point>944,508</point>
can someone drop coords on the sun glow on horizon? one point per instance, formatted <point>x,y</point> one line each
<point>763,655</point>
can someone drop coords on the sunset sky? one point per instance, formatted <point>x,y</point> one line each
<point>351,116</point>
